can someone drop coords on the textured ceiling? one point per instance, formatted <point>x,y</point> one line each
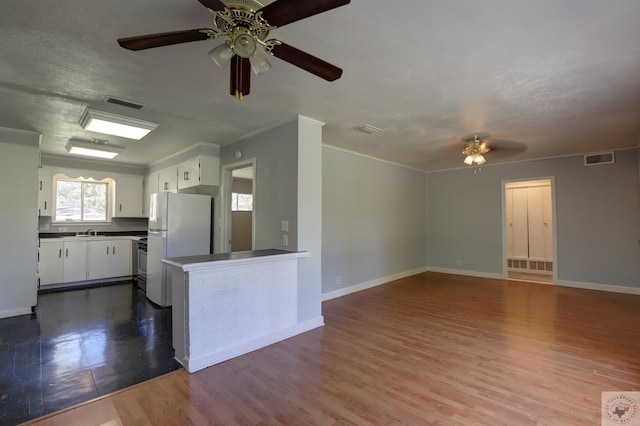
<point>541,78</point>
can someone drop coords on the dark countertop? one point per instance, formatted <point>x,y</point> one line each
<point>235,256</point>
<point>229,256</point>
<point>100,234</point>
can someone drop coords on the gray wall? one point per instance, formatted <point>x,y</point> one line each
<point>597,211</point>
<point>276,176</point>
<point>18,221</point>
<point>282,155</point>
<point>373,219</point>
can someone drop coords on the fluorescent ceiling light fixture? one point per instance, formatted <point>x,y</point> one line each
<point>116,125</point>
<point>92,149</point>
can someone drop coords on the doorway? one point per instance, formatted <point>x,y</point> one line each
<point>238,206</point>
<point>529,230</point>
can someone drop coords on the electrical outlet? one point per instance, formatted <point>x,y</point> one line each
<point>285,240</point>
<point>284,226</point>
<point>339,280</point>
<point>458,262</point>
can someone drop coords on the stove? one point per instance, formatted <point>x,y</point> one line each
<point>141,277</point>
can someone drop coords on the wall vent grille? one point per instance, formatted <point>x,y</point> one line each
<point>530,265</point>
<point>602,158</point>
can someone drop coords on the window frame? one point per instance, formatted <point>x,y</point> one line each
<point>234,201</point>
<point>110,188</point>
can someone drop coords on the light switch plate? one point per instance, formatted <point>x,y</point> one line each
<point>284,226</point>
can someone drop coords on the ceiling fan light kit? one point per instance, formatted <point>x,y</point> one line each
<point>221,55</point>
<point>247,24</point>
<point>474,150</point>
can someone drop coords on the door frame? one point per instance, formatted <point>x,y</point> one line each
<point>554,227</point>
<point>225,203</point>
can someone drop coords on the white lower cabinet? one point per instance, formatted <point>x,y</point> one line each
<point>109,259</point>
<point>62,262</point>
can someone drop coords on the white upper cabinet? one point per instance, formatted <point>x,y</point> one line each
<point>45,192</point>
<point>203,170</point>
<point>129,193</point>
<point>168,180</point>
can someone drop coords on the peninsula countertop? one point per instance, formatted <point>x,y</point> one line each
<point>205,261</point>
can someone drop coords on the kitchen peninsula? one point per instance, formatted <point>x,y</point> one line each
<point>228,304</point>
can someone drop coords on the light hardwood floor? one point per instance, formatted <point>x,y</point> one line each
<point>429,349</point>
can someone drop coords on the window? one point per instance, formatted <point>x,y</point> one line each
<point>80,200</point>
<point>241,202</point>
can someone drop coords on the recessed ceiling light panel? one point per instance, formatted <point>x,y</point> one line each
<point>92,149</point>
<point>116,125</point>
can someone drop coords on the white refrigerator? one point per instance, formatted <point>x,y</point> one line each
<point>179,225</point>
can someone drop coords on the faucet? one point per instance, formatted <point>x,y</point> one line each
<point>89,231</point>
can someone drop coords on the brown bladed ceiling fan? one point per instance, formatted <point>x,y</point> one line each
<point>246,24</point>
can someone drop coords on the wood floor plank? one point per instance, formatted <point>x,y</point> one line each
<point>430,349</point>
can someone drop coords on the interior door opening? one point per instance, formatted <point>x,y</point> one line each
<point>238,207</point>
<point>529,230</point>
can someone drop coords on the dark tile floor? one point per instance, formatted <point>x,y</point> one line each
<point>80,344</point>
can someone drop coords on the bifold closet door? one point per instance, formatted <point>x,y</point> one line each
<point>536,223</point>
<point>548,223</point>
<point>520,223</point>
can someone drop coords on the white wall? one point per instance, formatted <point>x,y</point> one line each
<point>18,221</point>
<point>597,211</point>
<point>374,221</point>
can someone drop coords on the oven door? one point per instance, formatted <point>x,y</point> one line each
<point>142,263</point>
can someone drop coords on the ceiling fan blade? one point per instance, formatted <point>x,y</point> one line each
<point>240,77</point>
<point>162,39</point>
<point>283,12</point>
<point>212,4</point>
<point>306,61</point>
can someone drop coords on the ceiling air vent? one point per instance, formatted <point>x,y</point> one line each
<point>602,158</point>
<point>368,128</point>
<point>122,102</point>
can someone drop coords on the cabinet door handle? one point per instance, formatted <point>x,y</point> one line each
<point>166,186</point>
<point>66,252</point>
<point>60,253</point>
<point>121,207</point>
<point>45,205</point>
<point>113,250</point>
<point>40,185</point>
<point>107,250</point>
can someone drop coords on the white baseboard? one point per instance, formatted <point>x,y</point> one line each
<point>467,273</point>
<point>195,364</point>
<point>15,312</point>
<point>369,284</point>
<point>384,280</point>
<point>600,287</point>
